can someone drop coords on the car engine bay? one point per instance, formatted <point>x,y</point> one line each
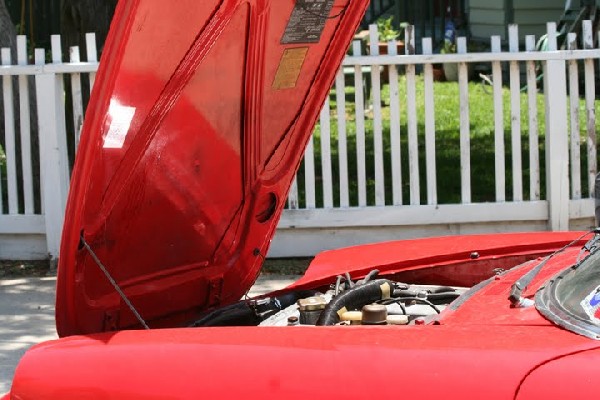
<point>368,301</point>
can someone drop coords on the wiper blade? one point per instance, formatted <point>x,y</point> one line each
<point>591,246</point>
<point>516,290</point>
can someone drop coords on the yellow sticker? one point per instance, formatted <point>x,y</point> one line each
<point>289,68</point>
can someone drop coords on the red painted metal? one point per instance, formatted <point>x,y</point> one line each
<point>454,362</point>
<point>482,349</point>
<point>186,157</point>
<point>422,257</point>
<point>565,377</point>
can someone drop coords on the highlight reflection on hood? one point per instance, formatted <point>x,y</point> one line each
<point>120,120</point>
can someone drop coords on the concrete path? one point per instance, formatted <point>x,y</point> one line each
<point>27,316</point>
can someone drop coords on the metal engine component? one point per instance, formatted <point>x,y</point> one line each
<point>282,318</point>
<point>397,320</point>
<point>310,309</point>
<point>406,304</point>
<point>374,314</point>
<point>353,317</point>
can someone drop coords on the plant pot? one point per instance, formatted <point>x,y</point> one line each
<point>438,73</point>
<point>451,71</point>
<point>383,48</point>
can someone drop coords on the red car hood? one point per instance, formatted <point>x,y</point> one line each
<point>429,362</point>
<point>192,138</point>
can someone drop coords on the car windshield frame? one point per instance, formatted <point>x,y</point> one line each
<point>565,299</point>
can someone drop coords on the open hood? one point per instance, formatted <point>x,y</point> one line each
<point>196,127</point>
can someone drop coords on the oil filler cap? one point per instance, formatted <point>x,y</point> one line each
<point>374,314</point>
<point>312,303</point>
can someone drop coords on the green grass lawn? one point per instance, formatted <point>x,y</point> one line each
<point>447,127</point>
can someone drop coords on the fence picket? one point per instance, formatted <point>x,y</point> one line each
<point>326,175</point>
<point>411,112</point>
<point>429,126</point>
<point>1,194</point>
<point>340,98</point>
<point>500,162</point>
<point>534,142</point>
<point>92,55</point>
<point>557,152</point>
<point>590,108</point>
<point>395,142</point>
<point>574,111</point>
<point>293,195</point>
<point>465,130</point>
<point>359,106</point>
<point>60,113</point>
<point>515,114</point>
<point>77,96</point>
<point>9,137</point>
<point>377,122</point>
<point>40,59</point>
<point>309,174</point>
<point>25,124</point>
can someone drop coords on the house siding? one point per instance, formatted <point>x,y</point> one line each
<point>534,14</point>
<point>487,18</point>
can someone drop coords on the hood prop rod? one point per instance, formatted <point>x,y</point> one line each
<point>114,283</point>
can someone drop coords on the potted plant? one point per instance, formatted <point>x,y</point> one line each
<point>387,32</point>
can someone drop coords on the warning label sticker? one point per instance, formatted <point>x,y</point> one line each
<point>307,21</point>
<point>591,305</point>
<point>289,68</point>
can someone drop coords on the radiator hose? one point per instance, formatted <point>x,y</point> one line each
<point>355,298</point>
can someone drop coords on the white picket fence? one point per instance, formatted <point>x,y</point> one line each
<point>372,216</point>
<point>30,222</point>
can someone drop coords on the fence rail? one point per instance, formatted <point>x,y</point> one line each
<point>373,169</point>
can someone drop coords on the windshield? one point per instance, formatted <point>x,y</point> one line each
<point>572,299</point>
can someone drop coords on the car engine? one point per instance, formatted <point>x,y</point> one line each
<point>369,301</point>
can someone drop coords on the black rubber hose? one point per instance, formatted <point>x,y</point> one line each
<point>413,293</point>
<point>242,314</point>
<point>435,298</point>
<point>355,298</point>
<point>444,289</point>
<point>338,281</point>
<point>415,299</point>
<point>443,296</point>
<point>349,283</point>
<point>370,276</point>
<point>404,293</point>
<point>431,296</point>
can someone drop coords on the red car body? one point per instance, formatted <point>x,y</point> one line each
<point>191,141</point>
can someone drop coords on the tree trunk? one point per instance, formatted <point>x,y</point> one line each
<point>79,17</point>
<point>8,38</point>
<point>7,34</point>
<point>7,29</point>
